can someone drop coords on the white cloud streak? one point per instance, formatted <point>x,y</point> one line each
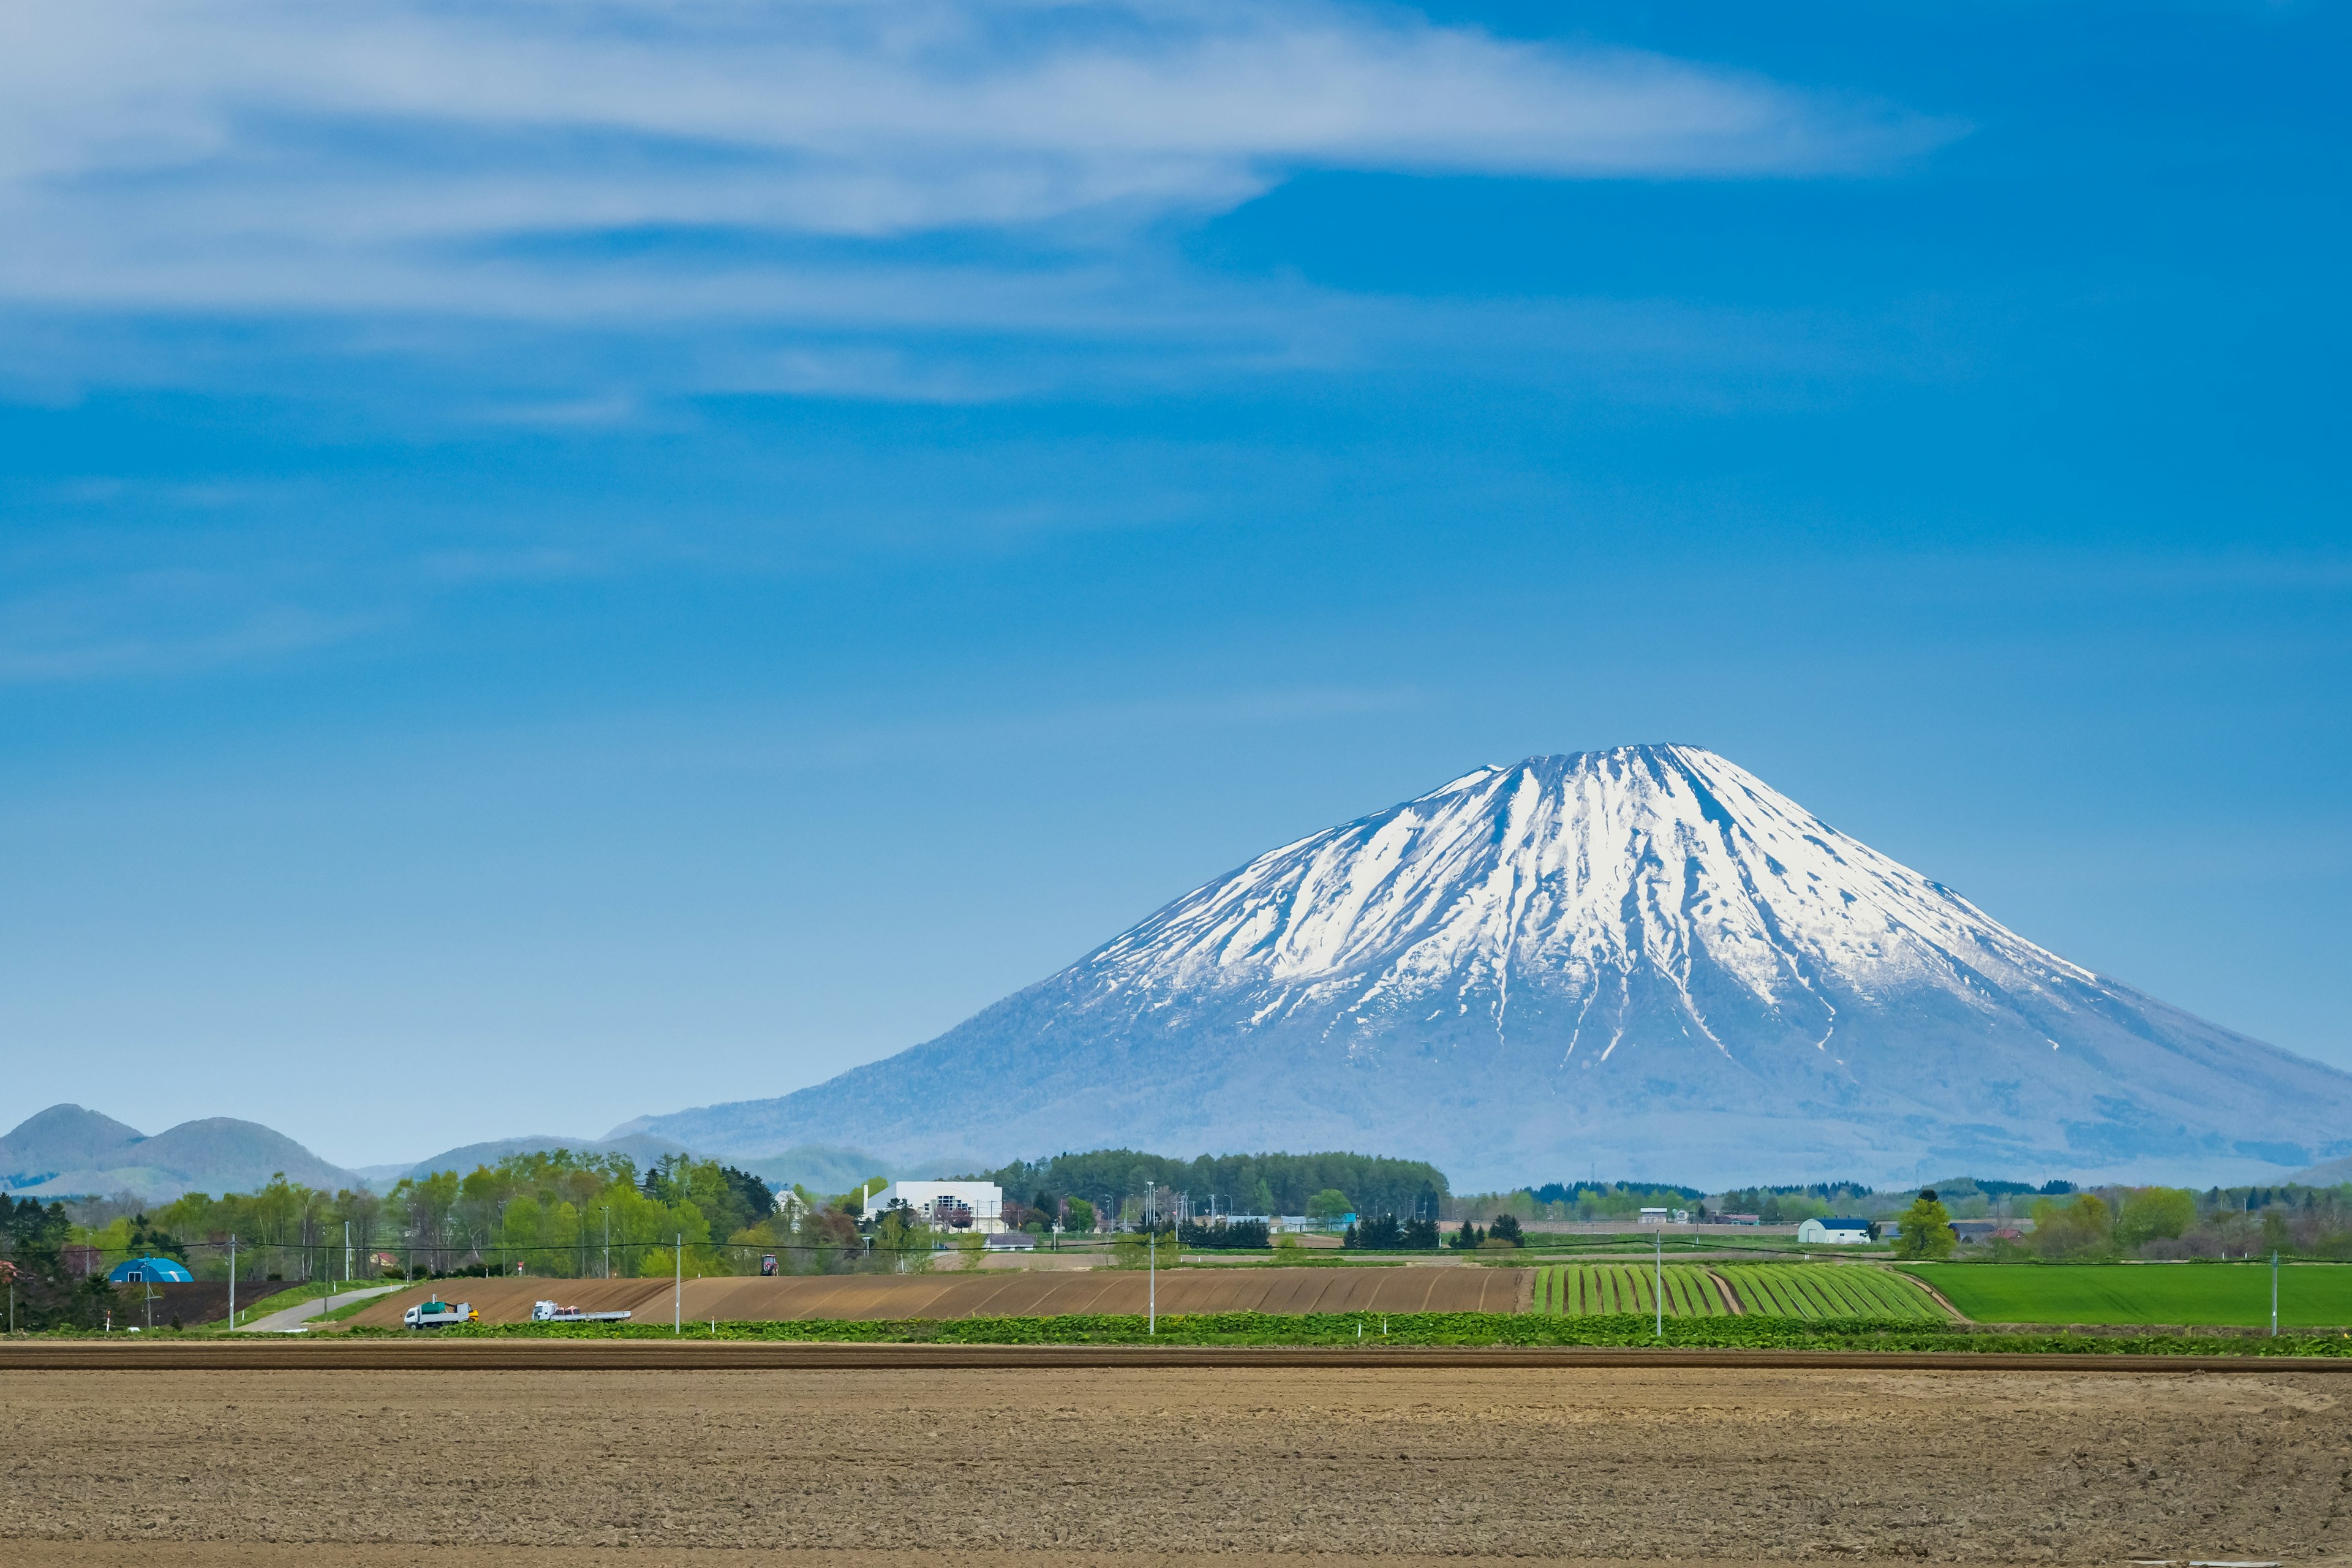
<point>611,159</point>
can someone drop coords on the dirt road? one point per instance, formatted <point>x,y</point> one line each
<point>1054,1465</point>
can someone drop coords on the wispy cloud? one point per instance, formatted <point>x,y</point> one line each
<point>644,161</point>
<point>160,623</point>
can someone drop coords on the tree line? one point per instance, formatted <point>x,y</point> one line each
<point>2177,1223</point>
<point>555,1214</point>
<point>1572,1201</point>
<point>1230,1184</point>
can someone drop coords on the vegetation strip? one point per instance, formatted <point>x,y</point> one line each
<point>1370,1331</point>
<point>440,1354</point>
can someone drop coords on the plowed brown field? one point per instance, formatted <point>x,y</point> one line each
<point>1047,1467</point>
<point>988,1294</point>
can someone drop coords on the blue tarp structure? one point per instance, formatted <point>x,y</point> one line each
<point>149,1271</point>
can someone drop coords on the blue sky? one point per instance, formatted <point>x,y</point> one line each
<point>570,561</point>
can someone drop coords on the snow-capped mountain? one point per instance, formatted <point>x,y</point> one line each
<point>1638,962</point>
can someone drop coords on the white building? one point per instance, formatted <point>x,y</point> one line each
<point>976,1206</point>
<point>1835,1232</point>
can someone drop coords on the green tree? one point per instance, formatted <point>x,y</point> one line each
<point>2084,1226</point>
<point>146,1240</point>
<point>1082,1215</point>
<point>1927,1228</point>
<point>519,1235</point>
<point>902,1240</point>
<point>2274,1237</point>
<point>49,1295</point>
<point>2155,1214</point>
<point>1328,1205</point>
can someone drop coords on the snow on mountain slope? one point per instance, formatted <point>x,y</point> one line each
<point>1642,960</point>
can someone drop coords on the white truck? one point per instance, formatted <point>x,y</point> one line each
<point>549,1312</point>
<point>439,1314</point>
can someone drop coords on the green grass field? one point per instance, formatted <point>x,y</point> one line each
<point>2311,1295</point>
<point>1827,1290</point>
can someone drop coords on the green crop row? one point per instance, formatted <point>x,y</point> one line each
<point>1828,1291</point>
<point>1770,1290</point>
<point>1599,1289</point>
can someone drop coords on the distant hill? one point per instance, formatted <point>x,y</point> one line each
<point>825,1169</point>
<point>820,1167</point>
<point>67,1151</point>
<point>645,1148</point>
<point>2330,1174</point>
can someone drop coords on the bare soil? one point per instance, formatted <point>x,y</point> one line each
<point>987,1294</point>
<point>1053,1467</point>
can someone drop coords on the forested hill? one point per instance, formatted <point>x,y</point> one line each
<point>1239,1183</point>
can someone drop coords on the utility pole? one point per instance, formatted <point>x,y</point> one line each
<point>232,1279</point>
<point>1658,1282</point>
<point>2274,1295</point>
<point>608,1244</point>
<point>347,1252</point>
<point>1152,1300</point>
<point>678,1286</point>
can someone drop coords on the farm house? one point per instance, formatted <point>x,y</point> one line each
<point>1835,1232</point>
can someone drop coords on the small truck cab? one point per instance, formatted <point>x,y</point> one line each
<point>439,1314</point>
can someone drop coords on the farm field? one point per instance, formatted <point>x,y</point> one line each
<point>1597,1290</point>
<point>1829,1290</point>
<point>985,1294</point>
<point>1766,1290</point>
<point>1318,1468</point>
<point>2311,1295</point>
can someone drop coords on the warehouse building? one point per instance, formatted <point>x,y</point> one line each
<point>947,1205</point>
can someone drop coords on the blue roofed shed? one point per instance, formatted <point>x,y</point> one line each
<point>150,1271</point>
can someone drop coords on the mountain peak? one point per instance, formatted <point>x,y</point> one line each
<point>63,1137</point>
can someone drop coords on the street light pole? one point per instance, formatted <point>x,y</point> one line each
<point>1658,1282</point>
<point>232,1279</point>
<point>678,1286</point>
<point>2275,1256</point>
<point>1151,1301</point>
